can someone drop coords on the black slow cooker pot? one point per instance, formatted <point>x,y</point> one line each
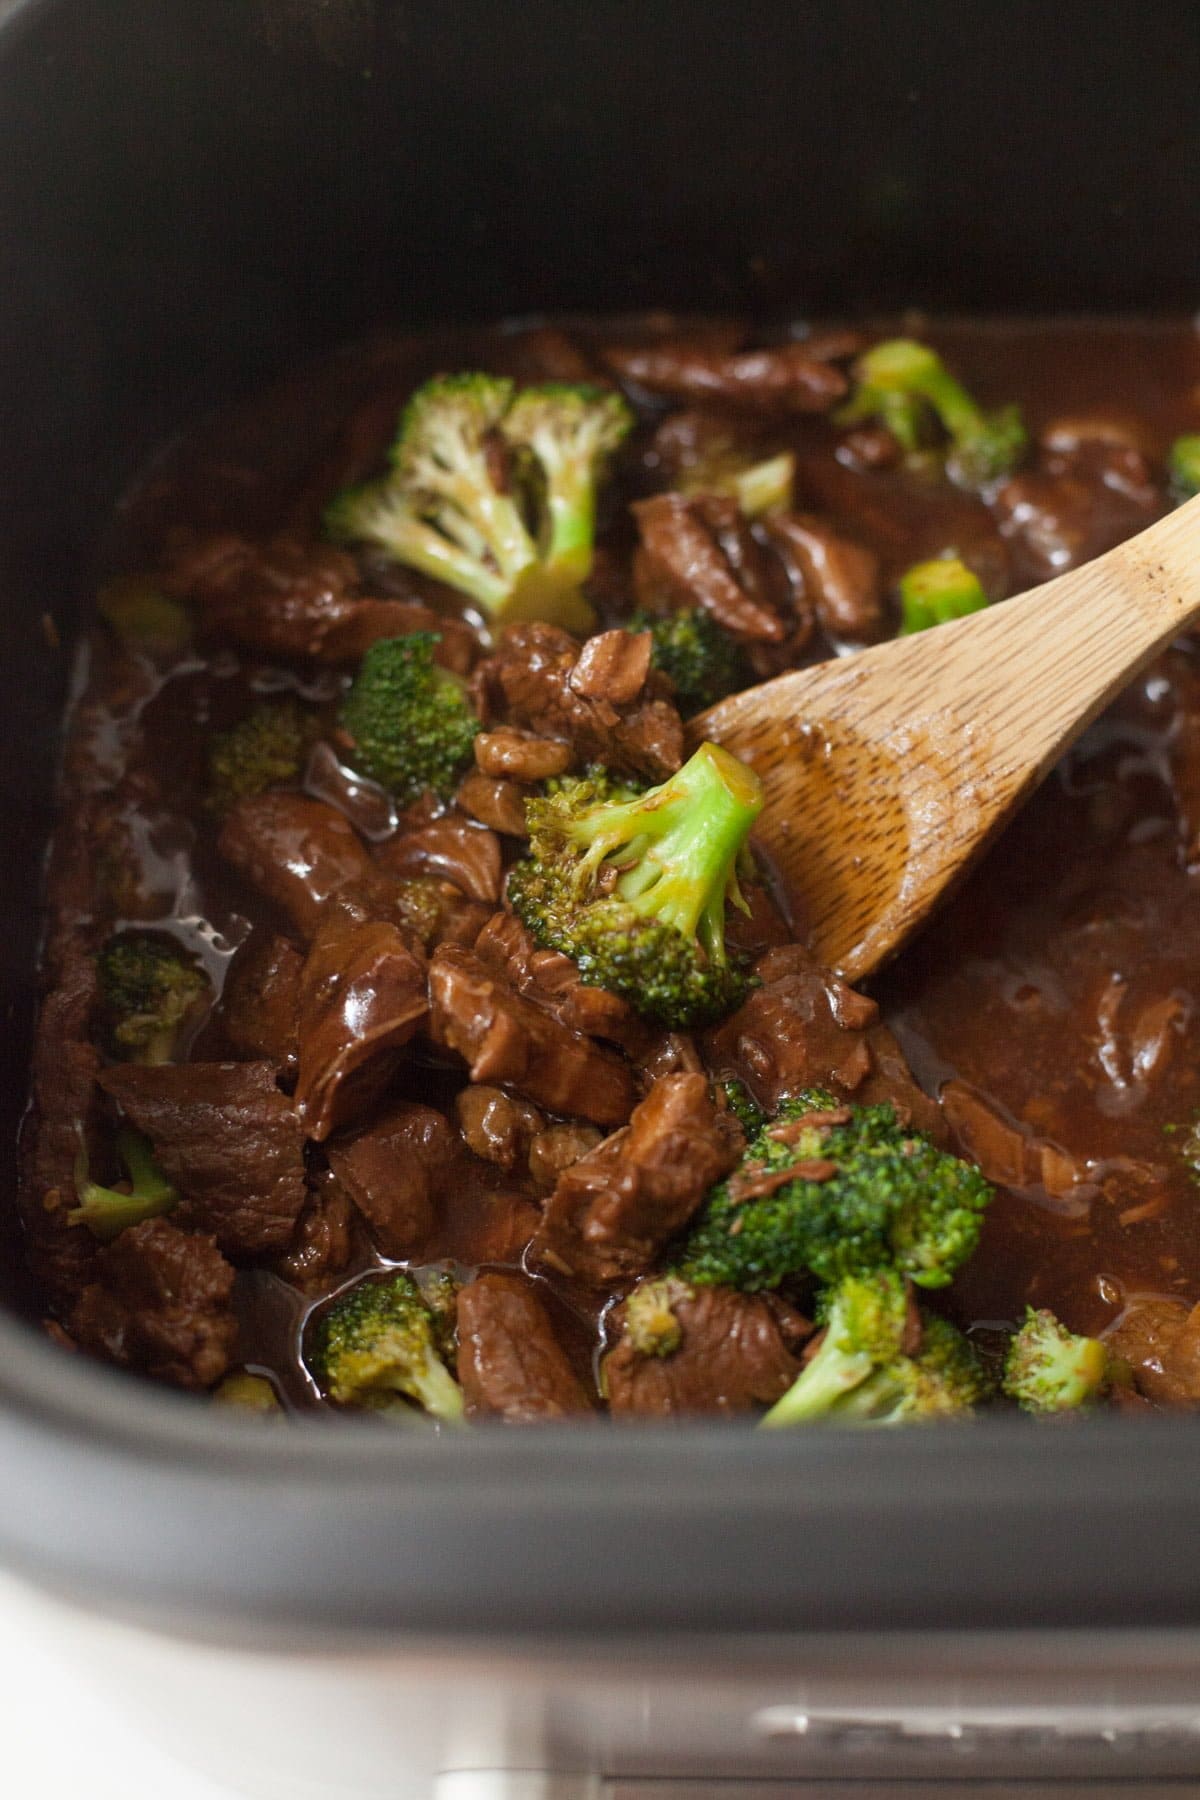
<point>196,193</point>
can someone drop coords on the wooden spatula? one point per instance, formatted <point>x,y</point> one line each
<point>886,773</point>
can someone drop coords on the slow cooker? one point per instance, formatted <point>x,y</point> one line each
<point>195,194</point>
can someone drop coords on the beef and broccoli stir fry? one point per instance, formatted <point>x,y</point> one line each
<point>423,1034</point>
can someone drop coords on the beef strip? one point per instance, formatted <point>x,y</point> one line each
<point>497,1126</point>
<point>292,599</point>
<point>296,852</point>
<point>553,982</point>
<point>521,755</point>
<point>736,1352</point>
<point>226,1137</point>
<point>840,578</point>
<point>700,552</point>
<point>160,1305</point>
<point>497,802</point>
<point>614,1209</point>
<point>781,382</point>
<point>323,1240</point>
<point>1073,506</point>
<point>506,1038</point>
<point>362,997</point>
<point>1008,1154</point>
<point>393,1170</point>
<point>452,849</point>
<point>527,682</point>
<point>510,1363</point>
<point>1160,1339</point>
<point>260,1000</point>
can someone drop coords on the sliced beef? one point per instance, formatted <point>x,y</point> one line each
<point>700,552</point>
<point>260,1000</point>
<point>497,1126</point>
<point>1160,1339</point>
<point>556,1148</point>
<point>297,852</point>
<point>521,755</point>
<point>393,1170</point>
<point>323,1241</point>
<point>613,1210</point>
<point>510,1363</point>
<point>362,997</point>
<point>290,599</point>
<point>735,1353</point>
<point>613,666</point>
<point>497,802</point>
<point>553,982</point>
<point>427,910</point>
<point>789,380</point>
<point>452,849</point>
<point>1074,505</point>
<point>528,683</point>
<point>160,1305</point>
<point>506,1038</point>
<point>227,1139</point>
<point>841,579</point>
<point>1008,1154</point>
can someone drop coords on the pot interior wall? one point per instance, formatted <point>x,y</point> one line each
<point>193,196</point>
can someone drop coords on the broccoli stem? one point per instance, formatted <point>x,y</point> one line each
<point>1183,466</point>
<point>933,593</point>
<point>107,1212</point>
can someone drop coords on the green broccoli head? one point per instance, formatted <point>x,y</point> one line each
<point>1048,1369</point>
<point>265,749</point>
<point>650,1322</point>
<point>865,1194</point>
<point>703,662</point>
<point>634,891</point>
<point>743,1106</point>
<point>377,1346</point>
<point>759,488</point>
<point>249,1394</point>
<point>864,1371</point>
<point>520,549</point>
<point>149,988</point>
<point>410,720</point>
<point>900,381</point>
<point>933,593</point>
<point>108,1211</point>
<point>1183,466</point>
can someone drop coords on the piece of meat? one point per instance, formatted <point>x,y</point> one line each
<point>614,1209</point>
<point>362,997</point>
<point>612,666</point>
<point>323,1241</point>
<point>260,1000</point>
<point>668,1053</point>
<point>297,852</point>
<point>428,911</point>
<point>292,599</point>
<point>452,849</point>
<point>368,806</point>
<point>226,1137</point>
<point>393,1170</point>
<point>1073,506</point>
<point>505,1038</point>
<point>520,755</point>
<point>700,552</point>
<point>496,802</point>
<point>556,1148</point>
<point>160,1305</point>
<point>842,579</point>
<point>553,982</point>
<point>795,1030</point>
<point>527,683</point>
<point>510,1364</point>
<point>1009,1154</point>
<point>784,382</point>
<point>736,1353</point>
<point>1160,1339</point>
<point>497,1126</point>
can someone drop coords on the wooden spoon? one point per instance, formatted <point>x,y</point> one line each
<point>888,772</point>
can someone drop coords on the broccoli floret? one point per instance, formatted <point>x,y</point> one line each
<point>268,748</point>
<point>932,593</point>
<point>1183,466</point>
<point>861,1372</point>
<point>899,379</point>
<point>411,721</point>
<point>743,1106</point>
<point>109,1211</point>
<point>519,551</point>
<point>758,488</point>
<point>866,1194</point>
<point>635,891</point>
<point>703,662</point>
<point>650,1322</point>
<point>251,1393</point>
<point>1049,1369</point>
<point>149,989</point>
<point>377,1347</point>
<point>144,617</point>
